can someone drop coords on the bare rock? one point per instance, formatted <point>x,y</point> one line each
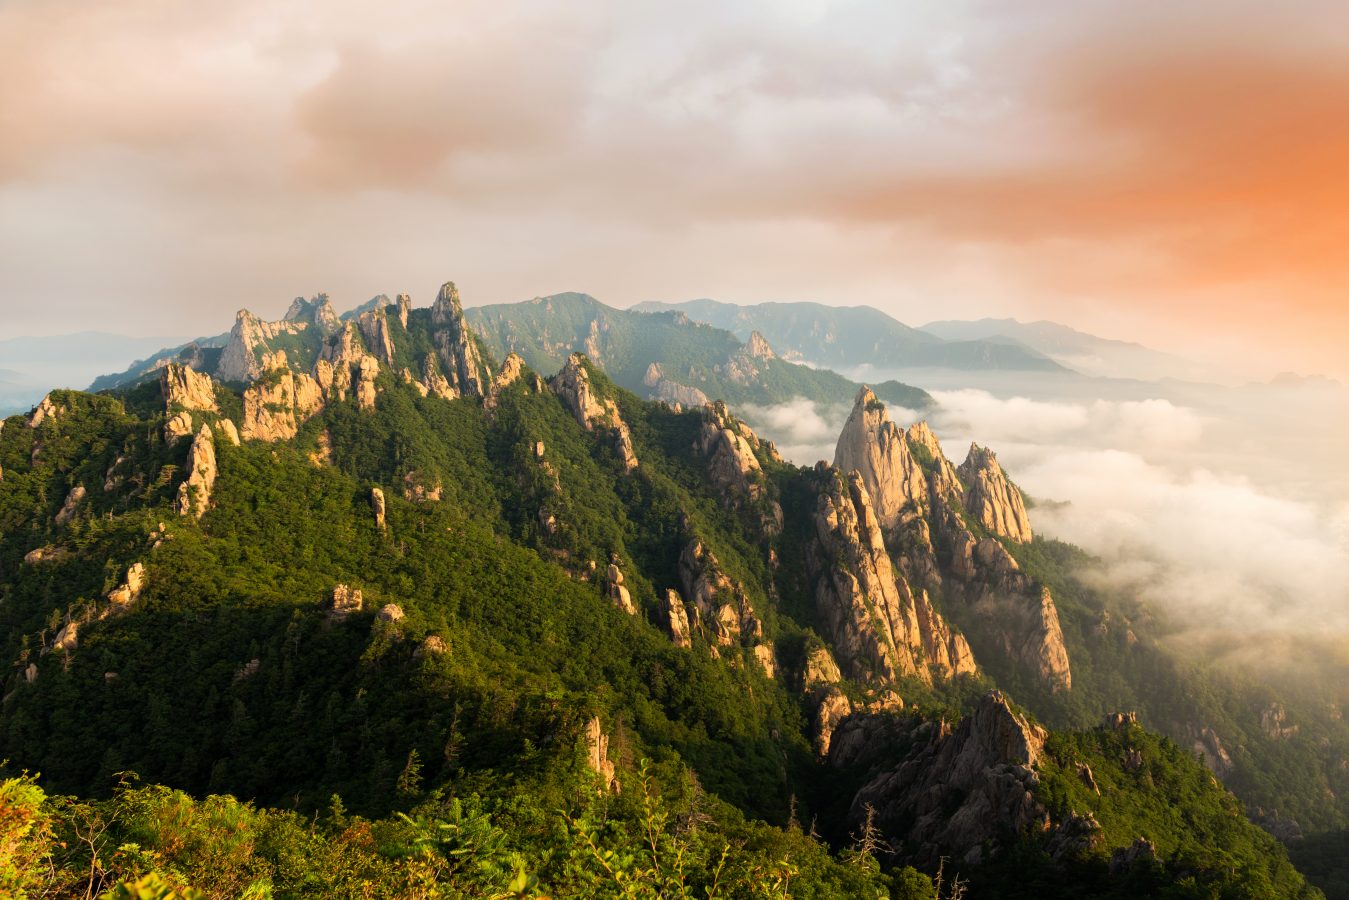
<point>820,669</point>
<point>390,613</point>
<point>1141,852</point>
<point>963,789</point>
<point>248,353</point>
<point>832,709</point>
<point>68,638</point>
<point>991,498</point>
<point>758,347</point>
<point>178,426</point>
<point>432,645</point>
<point>229,431</point>
<point>345,368</point>
<point>729,446</point>
<point>878,449</point>
<point>194,494</point>
<point>276,406</point>
<point>617,593</point>
<point>377,505</point>
<point>573,385</point>
<point>457,351</point>
<point>345,601</point>
<point>767,660</point>
<point>47,410</point>
<point>129,591</point>
<point>186,389</point>
<point>597,755</point>
<point>48,554</point>
<point>374,326</point>
<point>71,505</point>
<point>675,617</point>
<point>878,626</point>
<point>511,371</point>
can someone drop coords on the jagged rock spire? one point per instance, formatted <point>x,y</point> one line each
<point>991,498</point>
<point>463,365</point>
<point>878,625</point>
<point>878,450</point>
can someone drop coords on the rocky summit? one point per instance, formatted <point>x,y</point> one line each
<point>369,611</point>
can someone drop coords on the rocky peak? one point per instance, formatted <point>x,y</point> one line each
<point>276,406</point>
<point>318,311</point>
<point>459,358</point>
<point>186,389</point>
<point>573,385</point>
<point>758,348</point>
<point>960,790</point>
<point>194,494</point>
<point>878,626</point>
<point>247,353</point>
<point>404,303</point>
<point>374,326</point>
<point>344,366</point>
<point>733,467</point>
<point>617,592</point>
<point>991,498</point>
<point>941,473</point>
<point>511,371</point>
<point>878,449</point>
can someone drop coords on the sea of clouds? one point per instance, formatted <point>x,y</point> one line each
<point>1196,511</point>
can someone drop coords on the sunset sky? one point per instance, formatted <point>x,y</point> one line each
<point>1171,173</point>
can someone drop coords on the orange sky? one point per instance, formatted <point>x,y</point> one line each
<point>1176,176</point>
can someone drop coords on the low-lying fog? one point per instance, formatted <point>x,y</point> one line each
<point>1227,508</point>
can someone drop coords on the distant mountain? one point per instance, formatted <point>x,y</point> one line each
<point>855,335</point>
<point>1077,350</point>
<point>664,354</point>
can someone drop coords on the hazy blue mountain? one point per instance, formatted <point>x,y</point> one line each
<point>1078,350</point>
<point>658,354</point>
<point>855,335</point>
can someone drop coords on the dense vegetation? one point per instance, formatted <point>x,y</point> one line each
<point>443,750</point>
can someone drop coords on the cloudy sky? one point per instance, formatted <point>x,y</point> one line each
<point>1173,173</point>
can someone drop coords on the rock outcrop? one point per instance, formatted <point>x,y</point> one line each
<point>991,498</point>
<point>374,326</point>
<point>187,389</point>
<point>344,367</point>
<point>511,371</point>
<point>129,591</point>
<point>959,791</point>
<point>878,449</point>
<point>729,447</point>
<point>248,351</point>
<point>68,638</point>
<point>462,364</point>
<point>675,618</point>
<point>923,508</point>
<point>573,385</point>
<point>71,505</point>
<point>597,755</point>
<point>378,507</point>
<point>317,311</point>
<point>669,392</point>
<point>617,593</point>
<point>758,348</point>
<point>719,603</point>
<point>47,410</point>
<point>194,494</point>
<point>345,601</point>
<point>276,406</point>
<point>879,627</point>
